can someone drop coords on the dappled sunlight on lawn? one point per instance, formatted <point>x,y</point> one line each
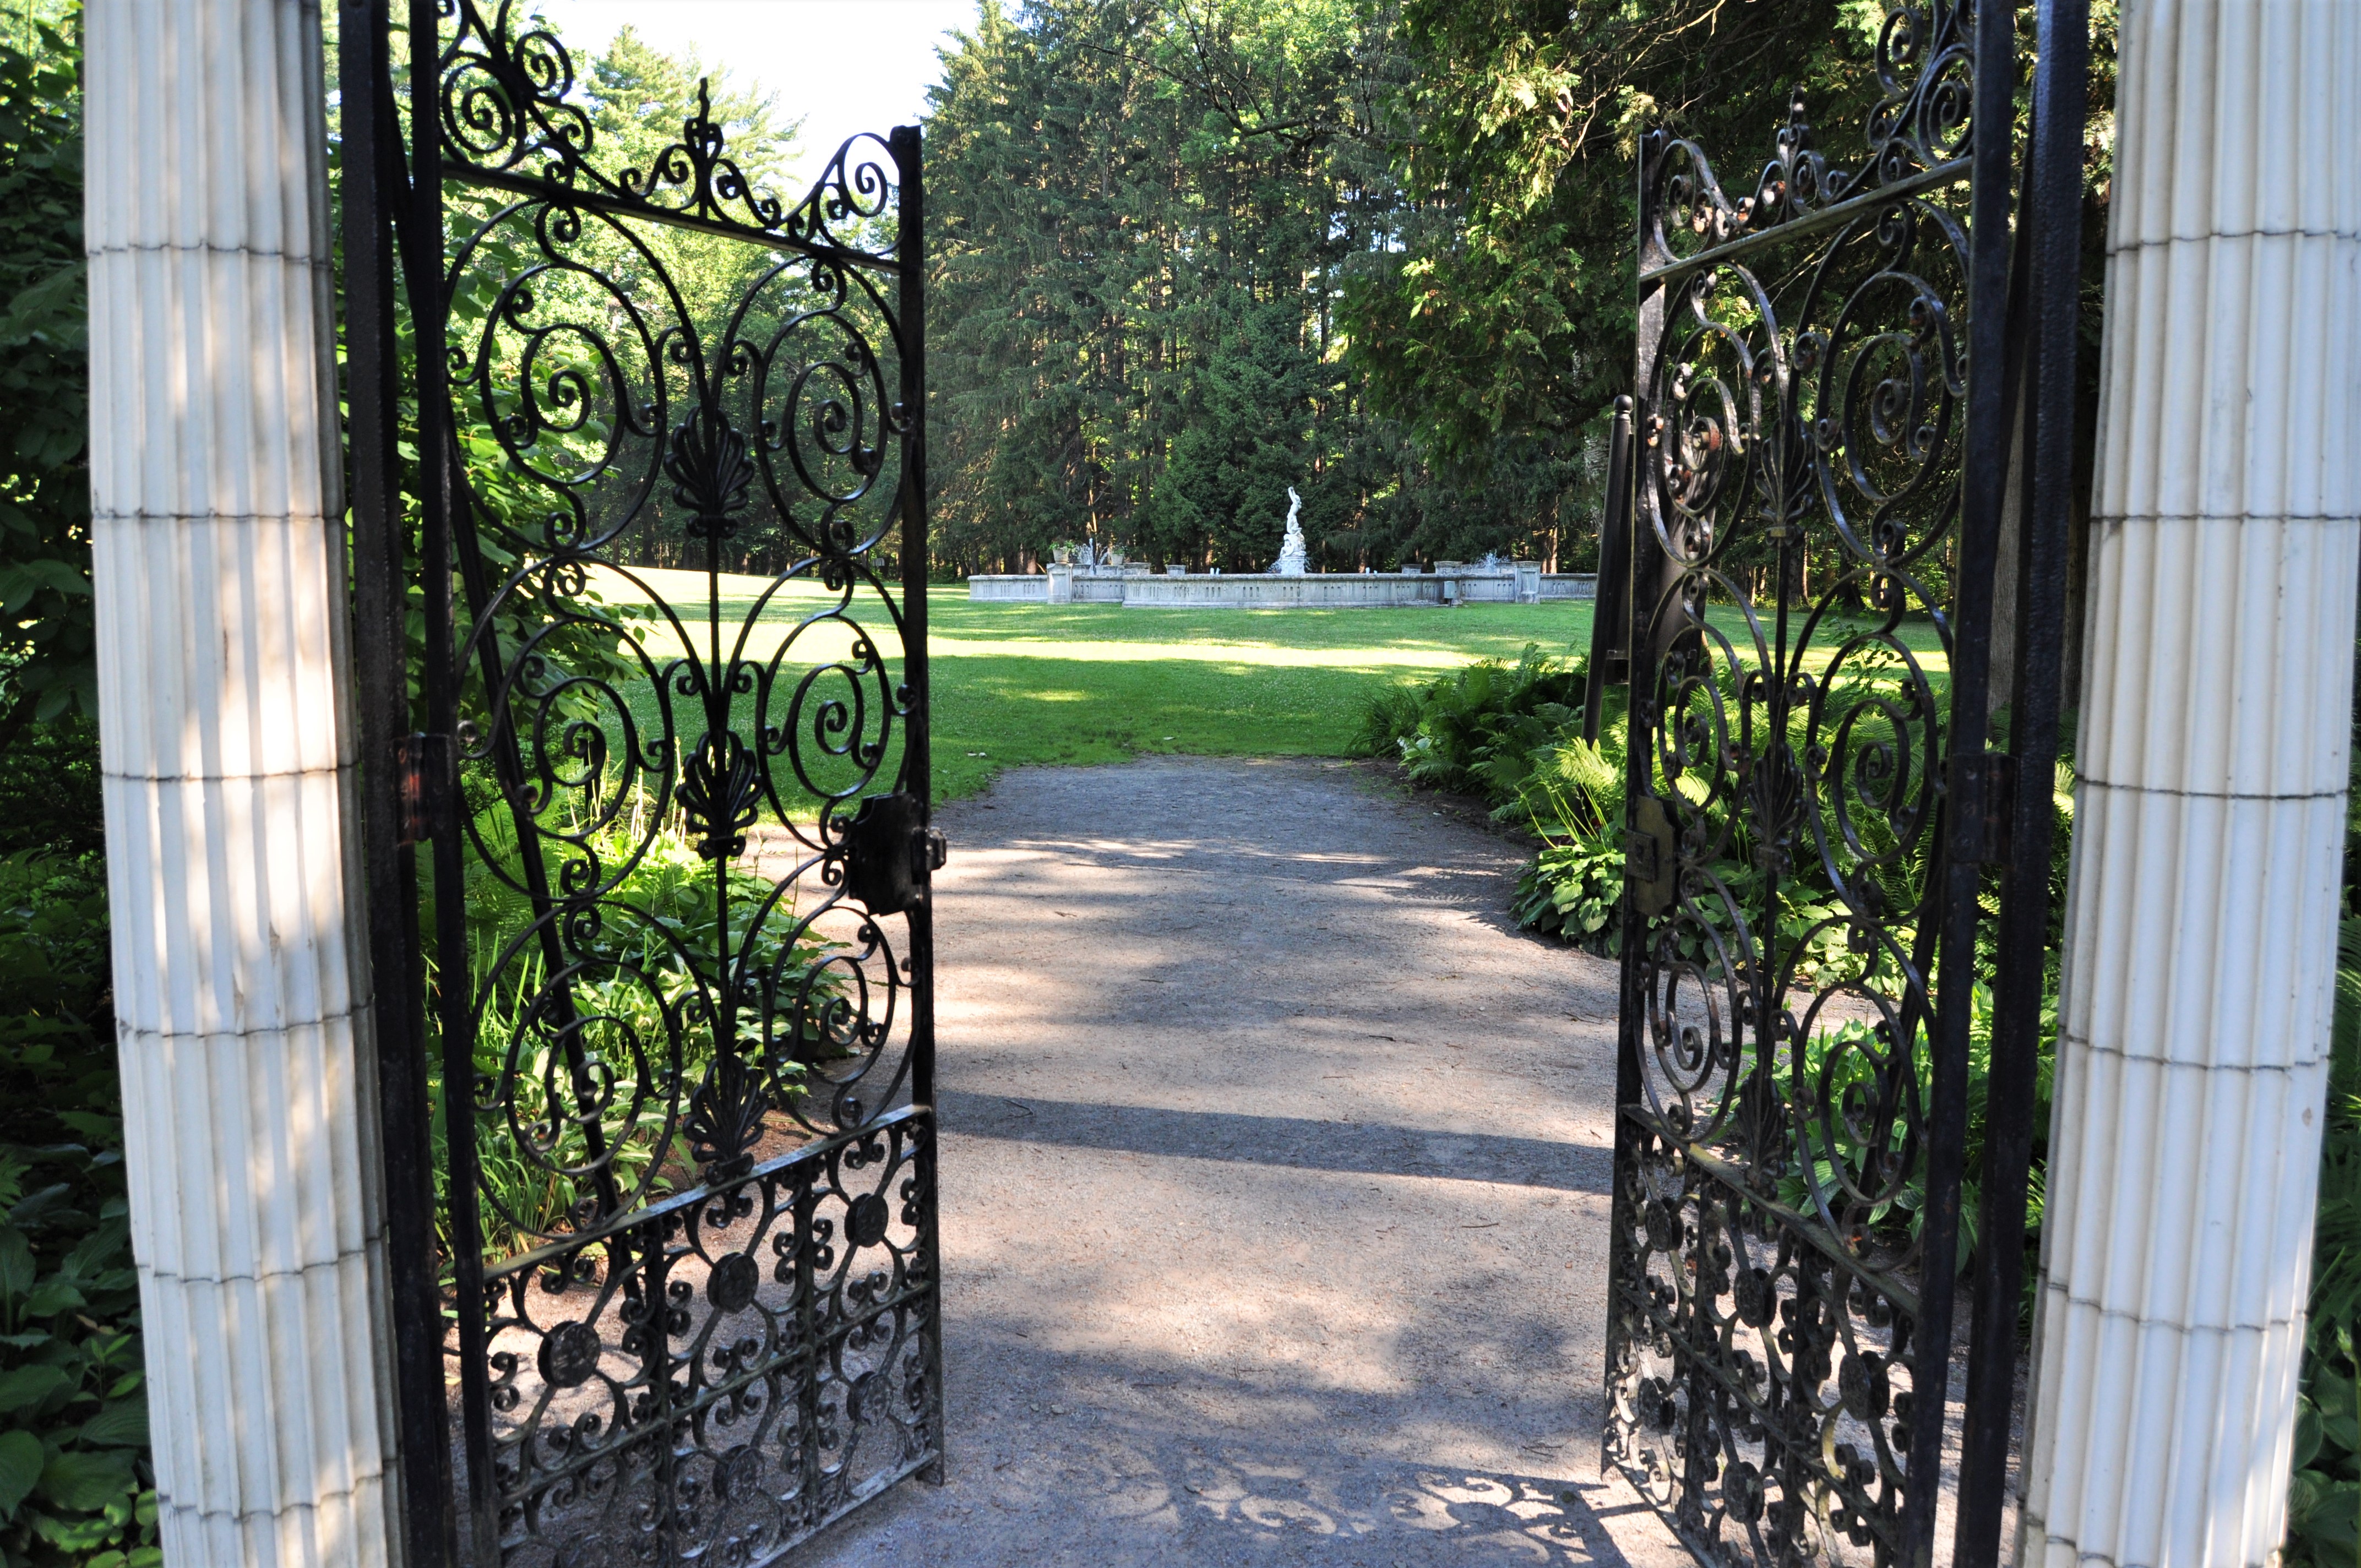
<point>1266,654</point>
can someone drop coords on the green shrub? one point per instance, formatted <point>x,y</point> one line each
<point>75,1482</point>
<point>2324,1493</point>
<point>1573,794</point>
<point>1473,730</point>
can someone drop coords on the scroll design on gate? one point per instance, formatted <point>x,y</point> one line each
<point>688,1055</point>
<point>1804,384</point>
<point>512,114</point>
<point>1920,124</point>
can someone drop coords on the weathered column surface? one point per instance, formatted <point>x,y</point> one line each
<point>240,987</point>
<point>2216,711</point>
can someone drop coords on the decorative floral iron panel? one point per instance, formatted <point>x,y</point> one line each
<point>682,949</point>
<point>1779,1335</point>
<point>757,1356</point>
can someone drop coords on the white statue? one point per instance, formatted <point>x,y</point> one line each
<point>1290,551</point>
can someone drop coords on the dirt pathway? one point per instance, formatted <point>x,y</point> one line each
<point>1274,1183</point>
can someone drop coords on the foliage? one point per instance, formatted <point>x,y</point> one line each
<point>49,790</point>
<point>47,666</point>
<point>1474,729</point>
<point>75,1482</point>
<point>1503,304</point>
<point>1144,213</point>
<point>631,981</point>
<point>2324,1494</point>
<point>1574,797</point>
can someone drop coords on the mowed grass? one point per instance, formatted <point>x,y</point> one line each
<point>1022,684</point>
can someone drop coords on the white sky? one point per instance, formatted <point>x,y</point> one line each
<point>843,65</point>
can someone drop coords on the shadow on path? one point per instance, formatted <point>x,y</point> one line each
<point>1274,1177</point>
<point>1369,1149</point>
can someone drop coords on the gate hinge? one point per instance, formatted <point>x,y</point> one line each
<point>422,771</point>
<point>1982,803</point>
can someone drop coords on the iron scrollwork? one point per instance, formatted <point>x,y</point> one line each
<point>721,1375</point>
<point>513,115</point>
<point>1916,130</point>
<point>1805,384</point>
<point>696,1265</point>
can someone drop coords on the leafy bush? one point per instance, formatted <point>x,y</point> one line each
<point>632,979</point>
<point>1475,729</point>
<point>1573,794</point>
<point>75,1481</point>
<point>2325,1493</point>
<point>46,635</point>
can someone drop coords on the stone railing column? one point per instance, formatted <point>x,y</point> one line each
<point>2208,834</point>
<point>240,977</point>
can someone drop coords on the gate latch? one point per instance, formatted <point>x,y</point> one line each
<point>422,773</point>
<point>1651,861</point>
<point>890,854</point>
<point>1982,803</point>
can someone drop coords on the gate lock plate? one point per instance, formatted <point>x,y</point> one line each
<point>890,854</point>
<point>1651,857</point>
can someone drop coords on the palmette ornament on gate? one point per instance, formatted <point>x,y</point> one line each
<point>1804,381</point>
<point>728,1335</point>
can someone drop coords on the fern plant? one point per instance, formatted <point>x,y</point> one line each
<point>631,986</point>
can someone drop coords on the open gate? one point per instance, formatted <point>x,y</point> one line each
<point>1829,375</point>
<point>640,535</point>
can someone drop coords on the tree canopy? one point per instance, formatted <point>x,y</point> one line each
<point>47,663</point>
<point>1189,252</point>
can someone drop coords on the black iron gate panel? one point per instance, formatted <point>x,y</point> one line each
<point>1819,447</point>
<point>670,570</point>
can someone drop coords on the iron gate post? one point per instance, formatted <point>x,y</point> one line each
<point>2044,309</point>
<point>1610,605</point>
<point>373,190</point>
<point>909,148</point>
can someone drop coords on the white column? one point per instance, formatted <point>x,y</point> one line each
<point>2215,712</point>
<point>240,964</point>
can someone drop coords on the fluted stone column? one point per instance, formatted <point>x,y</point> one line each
<point>2208,828</point>
<point>240,974</point>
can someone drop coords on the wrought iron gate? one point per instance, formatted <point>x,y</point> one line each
<point>1814,814</point>
<point>666,1119</point>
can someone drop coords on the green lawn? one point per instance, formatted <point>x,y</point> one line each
<point>1018,684</point>
<point>1021,683</point>
<point>1031,684</point>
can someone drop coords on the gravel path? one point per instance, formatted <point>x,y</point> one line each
<point>1274,1186</point>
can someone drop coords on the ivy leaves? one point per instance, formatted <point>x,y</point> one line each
<point>46,647</point>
